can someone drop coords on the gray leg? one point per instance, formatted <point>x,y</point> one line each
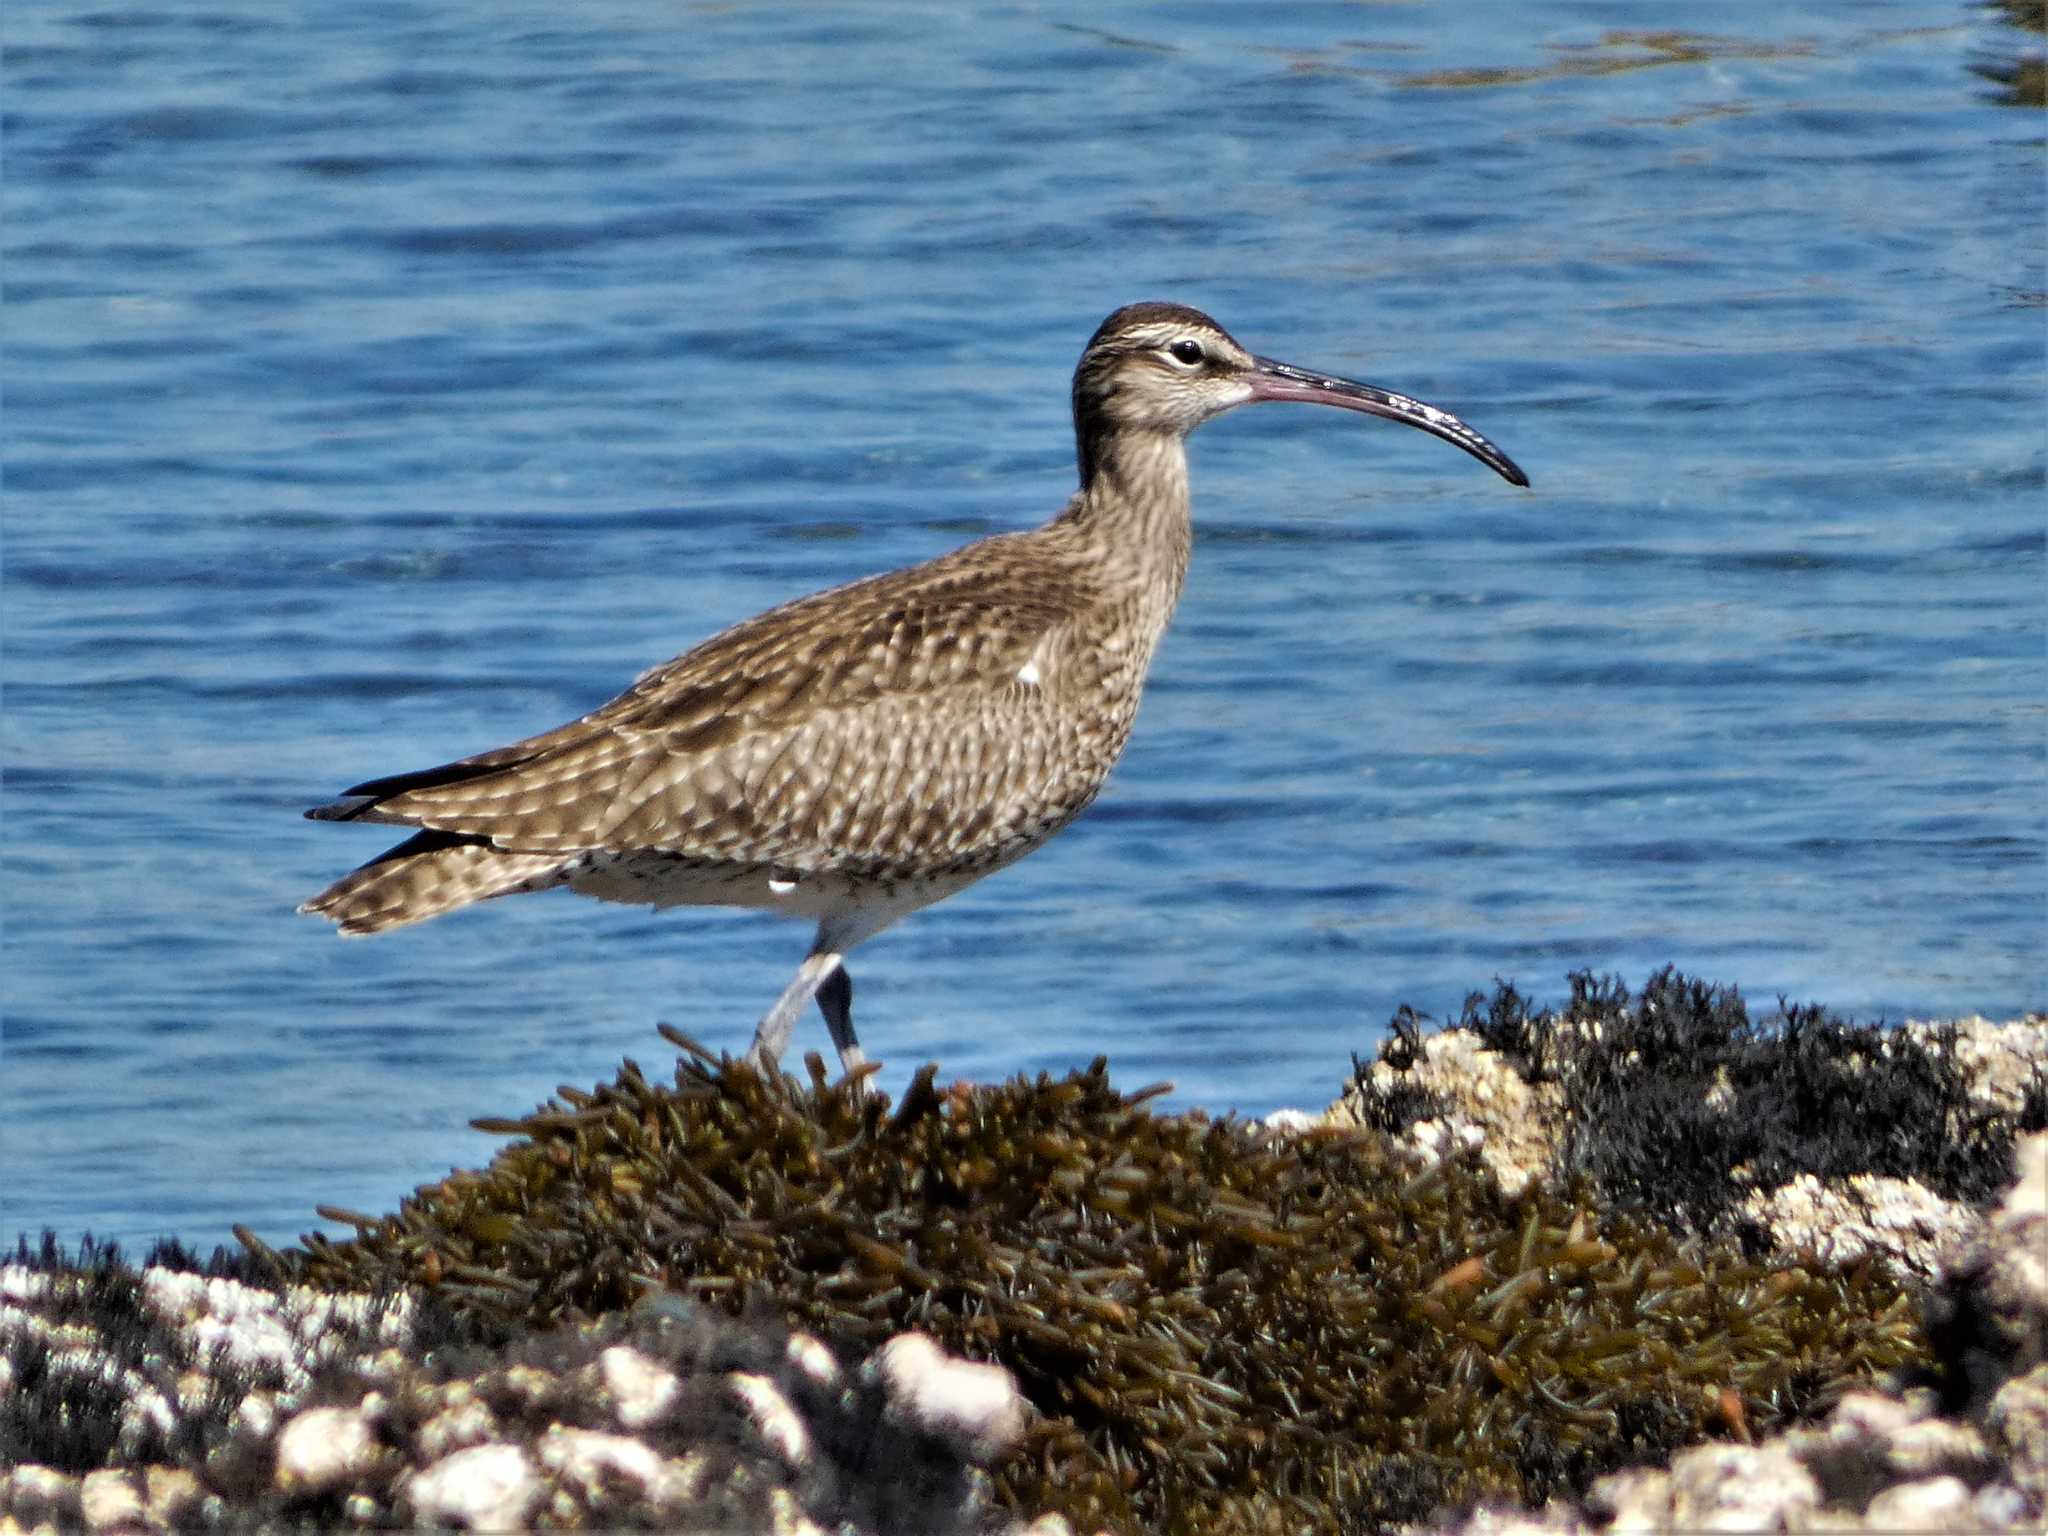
<point>835,1001</point>
<point>771,1037</point>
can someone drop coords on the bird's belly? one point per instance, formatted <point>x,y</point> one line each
<point>649,878</point>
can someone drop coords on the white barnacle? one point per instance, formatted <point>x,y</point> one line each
<point>774,1416</point>
<point>1028,674</point>
<point>780,885</point>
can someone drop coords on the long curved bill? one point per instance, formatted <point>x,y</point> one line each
<point>1283,381</point>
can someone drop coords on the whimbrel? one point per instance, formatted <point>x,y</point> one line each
<point>858,754</point>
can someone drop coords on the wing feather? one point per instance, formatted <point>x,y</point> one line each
<point>786,737</point>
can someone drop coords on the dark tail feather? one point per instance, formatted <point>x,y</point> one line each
<point>429,873</point>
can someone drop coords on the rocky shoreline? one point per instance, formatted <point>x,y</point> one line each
<point>1638,1264</point>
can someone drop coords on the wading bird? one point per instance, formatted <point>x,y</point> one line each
<point>858,754</point>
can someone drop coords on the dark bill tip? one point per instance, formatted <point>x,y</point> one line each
<point>1282,381</point>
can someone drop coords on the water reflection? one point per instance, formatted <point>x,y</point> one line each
<point>1616,52</point>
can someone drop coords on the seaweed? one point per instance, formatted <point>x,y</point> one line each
<point>1223,1329</point>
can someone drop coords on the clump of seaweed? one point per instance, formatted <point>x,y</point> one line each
<point>1673,1097</point>
<point>1224,1330</point>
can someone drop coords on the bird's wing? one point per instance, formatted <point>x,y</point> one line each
<point>822,729</point>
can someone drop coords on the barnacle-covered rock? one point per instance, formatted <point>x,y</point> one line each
<point>1801,1135</point>
<point>1220,1328</point>
<point>1448,1092</point>
<point>383,1415</point>
<point>1844,1221</point>
<point>1988,1321</point>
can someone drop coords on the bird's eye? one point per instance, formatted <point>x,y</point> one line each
<point>1189,352</point>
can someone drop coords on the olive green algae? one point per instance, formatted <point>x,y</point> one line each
<point>1224,1329</point>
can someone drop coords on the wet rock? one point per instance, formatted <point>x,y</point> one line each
<point>644,1421</point>
<point>2017,1421</point>
<point>484,1488</point>
<point>977,1407</point>
<point>1899,1220</point>
<point>1732,1488</point>
<point>325,1448</point>
<point>641,1389</point>
<point>1467,1098</point>
<point>774,1416</point>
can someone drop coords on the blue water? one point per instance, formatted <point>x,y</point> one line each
<point>384,383</point>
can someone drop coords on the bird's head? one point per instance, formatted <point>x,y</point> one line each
<point>1166,369</point>
<point>1160,368</point>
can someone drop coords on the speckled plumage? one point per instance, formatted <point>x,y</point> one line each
<point>879,731</point>
<point>859,753</point>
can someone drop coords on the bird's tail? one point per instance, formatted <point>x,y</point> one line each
<point>430,873</point>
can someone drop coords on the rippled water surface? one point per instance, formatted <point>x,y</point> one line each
<point>386,383</point>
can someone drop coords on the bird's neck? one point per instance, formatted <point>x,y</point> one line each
<point>1132,511</point>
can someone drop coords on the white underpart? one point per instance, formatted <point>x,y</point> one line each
<point>780,887</point>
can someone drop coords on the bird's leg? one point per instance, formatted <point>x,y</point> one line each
<point>835,1001</point>
<point>771,1037</point>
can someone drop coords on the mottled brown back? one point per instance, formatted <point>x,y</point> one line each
<point>946,716</point>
